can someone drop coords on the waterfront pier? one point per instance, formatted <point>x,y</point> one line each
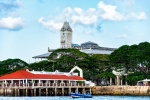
<point>49,89</point>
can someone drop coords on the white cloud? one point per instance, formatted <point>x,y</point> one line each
<point>91,16</point>
<point>121,36</point>
<point>11,23</point>
<point>108,12</point>
<point>11,5</point>
<point>139,16</point>
<point>52,25</point>
<point>88,17</point>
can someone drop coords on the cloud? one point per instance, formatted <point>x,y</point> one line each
<point>91,17</point>
<point>12,24</point>
<point>108,12</point>
<point>9,6</point>
<point>121,36</point>
<point>52,25</point>
<point>84,17</point>
<point>139,16</point>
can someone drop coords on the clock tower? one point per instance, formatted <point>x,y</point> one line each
<point>66,36</point>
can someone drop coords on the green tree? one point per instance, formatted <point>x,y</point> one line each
<point>11,65</point>
<point>140,57</point>
<point>105,76</point>
<point>120,59</point>
<point>133,78</point>
<point>40,66</point>
<point>65,59</point>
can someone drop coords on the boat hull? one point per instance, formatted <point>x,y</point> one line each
<point>78,95</point>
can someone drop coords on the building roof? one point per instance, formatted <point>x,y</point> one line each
<point>95,51</point>
<point>24,74</point>
<point>66,27</point>
<point>75,45</point>
<point>87,51</point>
<point>89,42</point>
<point>43,55</point>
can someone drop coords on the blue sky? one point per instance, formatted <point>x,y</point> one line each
<point>29,27</point>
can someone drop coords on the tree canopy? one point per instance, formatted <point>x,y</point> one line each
<point>134,58</point>
<point>11,65</point>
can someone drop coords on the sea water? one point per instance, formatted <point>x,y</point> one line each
<point>69,98</point>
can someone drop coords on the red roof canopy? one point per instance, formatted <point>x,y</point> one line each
<point>23,74</point>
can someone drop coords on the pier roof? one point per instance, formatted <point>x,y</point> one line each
<point>24,74</point>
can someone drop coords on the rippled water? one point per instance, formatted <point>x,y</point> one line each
<point>69,98</point>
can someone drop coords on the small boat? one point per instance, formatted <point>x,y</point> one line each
<point>79,95</point>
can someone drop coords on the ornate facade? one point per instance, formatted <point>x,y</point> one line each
<point>66,36</point>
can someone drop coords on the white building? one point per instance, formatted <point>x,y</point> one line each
<point>66,42</point>
<point>66,36</point>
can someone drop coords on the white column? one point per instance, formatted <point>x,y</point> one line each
<point>5,82</point>
<point>26,81</point>
<point>32,83</point>
<point>54,81</point>
<point>118,80</point>
<point>126,81</point>
<point>19,83</point>
<point>121,81</point>
<point>12,82</point>
<point>23,81</point>
<point>110,83</point>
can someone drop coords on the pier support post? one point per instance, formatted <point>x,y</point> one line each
<point>39,92</point>
<point>83,90</point>
<point>18,92</point>
<point>15,92</point>
<point>26,92</point>
<point>46,91</point>
<point>55,91</point>
<point>69,90</point>
<point>62,91</point>
<point>5,92</point>
<point>76,89</point>
<point>34,92</point>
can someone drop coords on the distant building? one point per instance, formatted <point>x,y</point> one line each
<point>66,36</point>
<point>66,42</point>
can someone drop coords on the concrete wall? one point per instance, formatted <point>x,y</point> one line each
<point>121,90</point>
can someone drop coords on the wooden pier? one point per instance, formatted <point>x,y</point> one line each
<point>44,89</point>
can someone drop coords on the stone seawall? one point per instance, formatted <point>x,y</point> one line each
<point>121,90</point>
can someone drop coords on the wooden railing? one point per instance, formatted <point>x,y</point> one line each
<point>3,85</point>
